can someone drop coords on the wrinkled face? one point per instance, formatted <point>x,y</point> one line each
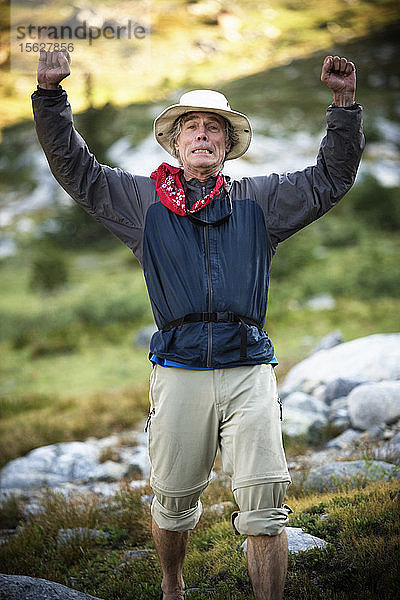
<point>202,144</point>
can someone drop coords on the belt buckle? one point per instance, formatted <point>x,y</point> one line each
<point>223,317</point>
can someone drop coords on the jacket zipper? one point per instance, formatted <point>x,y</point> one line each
<point>210,291</point>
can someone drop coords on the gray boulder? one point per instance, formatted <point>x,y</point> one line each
<point>59,465</point>
<point>372,358</point>
<point>373,404</point>
<point>20,587</point>
<point>343,440</point>
<point>305,403</point>
<point>329,341</point>
<point>339,388</point>
<point>338,415</point>
<point>335,474</point>
<point>51,465</point>
<point>303,415</point>
<point>298,541</point>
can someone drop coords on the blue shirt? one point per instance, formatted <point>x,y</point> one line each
<point>164,362</point>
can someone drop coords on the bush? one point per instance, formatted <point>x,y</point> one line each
<point>73,227</point>
<point>49,271</point>
<point>294,254</point>
<point>376,204</point>
<point>102,310</point>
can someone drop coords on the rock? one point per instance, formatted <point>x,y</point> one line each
<point>297,423</point>
<point>60,466</point>
<point>108,471</point>
<point>135,554</point>
<point>137,459</point>
<point>374,404</point>
<point>395,441</point>
<point>343,440</point>
<point>339,414</point>
<point>323,457</point>
<point>341,423</point>
<point>303,415</point>
<point>329,341</point>
<point>20,587</point>
<point>325,302</point>
<point>51,465</point>
<point>298,541</point>
<point>333,475</point>
<point>372,358</point>
<point>373,433</point>
<point>305,403</point>
<point>337,407</point>
<point>339,388</point>
<point>221,507</point>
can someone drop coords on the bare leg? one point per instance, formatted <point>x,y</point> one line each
<point>267,558</point>
<point>171,550</point>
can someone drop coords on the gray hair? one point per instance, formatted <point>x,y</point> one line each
<point>173,134</point>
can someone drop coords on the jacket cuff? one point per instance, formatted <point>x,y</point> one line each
<point>44,92</point>
<point>353,106</point>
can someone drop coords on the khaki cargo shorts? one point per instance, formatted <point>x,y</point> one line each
<point>192,414</point>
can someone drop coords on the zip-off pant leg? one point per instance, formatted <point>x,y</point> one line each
<point>195,411</point>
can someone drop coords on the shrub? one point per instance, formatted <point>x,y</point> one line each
<point>376,204</point>
<point>49,271</point>
<point>74,227</point>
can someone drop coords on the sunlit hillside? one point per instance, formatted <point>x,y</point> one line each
<point>168,44</point>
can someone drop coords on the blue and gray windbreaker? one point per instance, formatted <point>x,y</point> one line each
<point>217,273</point>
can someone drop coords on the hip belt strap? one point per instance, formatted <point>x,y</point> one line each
<point>218,317</point>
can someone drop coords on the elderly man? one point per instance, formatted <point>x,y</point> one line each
<point>205,243</point>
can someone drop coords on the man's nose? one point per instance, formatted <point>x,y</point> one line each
<point>201,134</point>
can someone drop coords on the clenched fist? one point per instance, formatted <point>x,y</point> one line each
<point>339,74</point>
<point>53,67</point>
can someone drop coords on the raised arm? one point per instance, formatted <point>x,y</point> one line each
<point>291,201</point>
<point>114,197</point>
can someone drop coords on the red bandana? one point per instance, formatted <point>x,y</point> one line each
<point>171,193</point>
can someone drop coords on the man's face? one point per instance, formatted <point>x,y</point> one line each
<point>202,144</point>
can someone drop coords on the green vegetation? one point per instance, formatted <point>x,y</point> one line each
<point>361,561</point>
<point>49,271</point>
<point>207,49</point>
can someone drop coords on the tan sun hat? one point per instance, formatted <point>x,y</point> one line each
<point>204,101</point>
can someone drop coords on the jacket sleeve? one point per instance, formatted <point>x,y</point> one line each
<point>293,200</point>
<point>114,197</point>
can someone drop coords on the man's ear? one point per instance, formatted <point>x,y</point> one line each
<point>228,146</point>
<point>176,147</point>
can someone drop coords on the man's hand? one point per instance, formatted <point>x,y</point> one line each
<point>53,67</point>
<point>339,74</point>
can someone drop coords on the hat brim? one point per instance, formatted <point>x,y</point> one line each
<point>163,124</point>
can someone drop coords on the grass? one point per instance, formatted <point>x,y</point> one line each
<point>36,419</point>
<point>361,527</point>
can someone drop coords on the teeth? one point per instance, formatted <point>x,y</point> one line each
<point>200,151</point>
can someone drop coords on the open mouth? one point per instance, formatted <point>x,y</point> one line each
<point>201,151</point>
